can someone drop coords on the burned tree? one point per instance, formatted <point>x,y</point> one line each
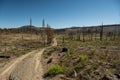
<point>101,32</point>
<point>106,36</point>
<point>78,34</point>
<point>96,33</point>
<point>83,33</point>
<point>63,40</point>
<point>70,34</point>
<point>110,34</point>
<point>50,34</point>
<point>115,33</point>
<point>88,33</point>
<point>6,33</point>
<point>21,31</point>
<point>118,33</point>
<point>31,28</point>
<point>91,33</point>
<point>43,32</point>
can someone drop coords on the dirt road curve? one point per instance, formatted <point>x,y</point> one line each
<point>27,67</point>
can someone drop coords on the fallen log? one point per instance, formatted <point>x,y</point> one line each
<point>3,56</point>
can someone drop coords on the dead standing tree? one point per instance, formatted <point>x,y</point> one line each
<point>118,33</point>
<point>70,34</point>
<point>115,31</point>
<point>78,34</point>
<point>91,33</point>
<point>43,32</point>
<point>21,33</point>
<point>110,35</point>
<point>88,34</point>
<point>63,40</point>
<point>43,35</point>
<point>5,44</point>
<point>106,36</point>
<point>37,35</point>
<point>31,28</point>
<point>101,32</point>
<point>50,34</point>
<point>95,33</point>
<point>83,34</point>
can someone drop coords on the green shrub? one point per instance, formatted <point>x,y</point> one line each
<point>82,58</point>
<point>54,70</point>
<point>23,52</point>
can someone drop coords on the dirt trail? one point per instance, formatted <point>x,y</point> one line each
<point>27,67</point>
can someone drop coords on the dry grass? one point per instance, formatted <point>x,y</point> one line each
<point>90,60</point>
<point>15,45</point>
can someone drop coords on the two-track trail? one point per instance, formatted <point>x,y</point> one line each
<point>26,67</point>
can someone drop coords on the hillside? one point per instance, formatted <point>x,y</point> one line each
<point>107,28</point>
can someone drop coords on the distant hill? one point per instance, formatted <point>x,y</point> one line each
<point>106,28</point>
<point>27,28</point>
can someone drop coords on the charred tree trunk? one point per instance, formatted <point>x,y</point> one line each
<point>118,34</point>
<point>50,34</point>
<point>106,36</point>
<point>21,34</point>
<point>83,33</point>
<point>111,35</point>
<point>95,34</point>
<point>63,41</point>
<point>78,35</point>
<point>6,40</point>
<point>91,37</point>
<point>88,32</point>
<point>70,34</point>
<point>115,34</point>
<point>101,32</point>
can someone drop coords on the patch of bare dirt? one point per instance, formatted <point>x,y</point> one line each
<point>26,67</point>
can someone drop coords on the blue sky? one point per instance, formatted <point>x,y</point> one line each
<point>59,13</point>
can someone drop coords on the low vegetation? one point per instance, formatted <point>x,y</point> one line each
<point>90,54</point>
<point>55,69</point>
<point>89,60</point>
<point>13,46</point>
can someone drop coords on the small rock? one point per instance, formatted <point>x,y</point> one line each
<point>110,77</point>
<point>64,50</point>
<point>96,73</point>
<point>49,61</point>
<point>117,75</point>
<point>46,75</point>
<point>103,47</point>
